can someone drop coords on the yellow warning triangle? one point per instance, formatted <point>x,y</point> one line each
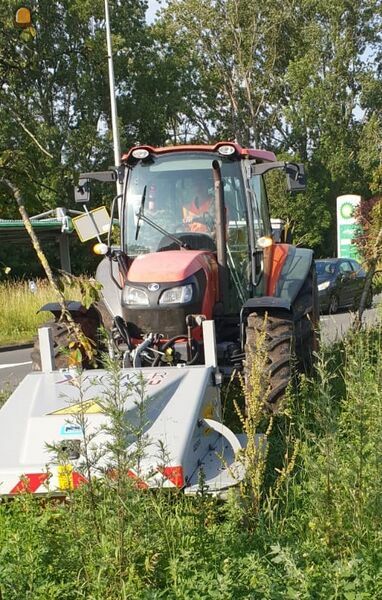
<point>91,407</point>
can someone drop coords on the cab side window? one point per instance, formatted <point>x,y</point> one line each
<point>262,224</point>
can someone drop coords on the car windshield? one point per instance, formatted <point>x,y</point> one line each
<point>179,198</point>
<point>323,267</point>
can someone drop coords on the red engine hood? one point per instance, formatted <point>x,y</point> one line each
<point>171,266</point>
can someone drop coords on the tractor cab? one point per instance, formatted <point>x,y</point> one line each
<point>179,191</point>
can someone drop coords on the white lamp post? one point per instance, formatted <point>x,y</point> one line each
<point>113,100</point>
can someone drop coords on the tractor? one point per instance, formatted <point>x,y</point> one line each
<point>196,244</point>
<point>194,289</point>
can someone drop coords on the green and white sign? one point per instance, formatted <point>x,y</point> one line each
<point>346,226</point>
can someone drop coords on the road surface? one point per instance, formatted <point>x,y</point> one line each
<point>15,364</point>
<point>333,327</point>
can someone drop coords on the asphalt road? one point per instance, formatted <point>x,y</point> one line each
<point>333,327</point>
<point>15,364</point>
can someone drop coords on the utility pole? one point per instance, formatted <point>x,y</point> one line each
<point>113,100</point>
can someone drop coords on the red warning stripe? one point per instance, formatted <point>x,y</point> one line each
<point>142,485</point>
<point>78,479</point>
<point>173,474</point>
<point>30,482</point>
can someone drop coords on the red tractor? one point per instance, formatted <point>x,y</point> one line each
<point>196,243</point>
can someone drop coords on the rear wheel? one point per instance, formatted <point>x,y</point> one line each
<point>291,338</point>
<point>278,342</point>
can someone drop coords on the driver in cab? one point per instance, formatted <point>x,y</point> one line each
<point>198,212</point>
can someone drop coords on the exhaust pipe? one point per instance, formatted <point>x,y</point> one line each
<point>221,247</point>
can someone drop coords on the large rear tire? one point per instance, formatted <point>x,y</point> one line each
<point>291,340</point>
<point>279,339</point>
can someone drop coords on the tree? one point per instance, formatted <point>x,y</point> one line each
<point>282,75</point>
<point>54,98</point>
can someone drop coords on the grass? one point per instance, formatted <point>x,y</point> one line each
<point>4,395</point>
<point>19,319</point>
<point>316,532</point>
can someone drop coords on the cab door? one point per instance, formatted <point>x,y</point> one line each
<point>237,240</point>
<point>261,227</point>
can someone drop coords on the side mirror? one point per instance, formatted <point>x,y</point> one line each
<point>296,178</point>
<point>92,224</point>
<point>82,191</point>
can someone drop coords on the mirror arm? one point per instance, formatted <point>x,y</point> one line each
<point>262,168</point>
<point>105,176</point>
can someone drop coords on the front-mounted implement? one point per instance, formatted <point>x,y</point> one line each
<point>174,412</point>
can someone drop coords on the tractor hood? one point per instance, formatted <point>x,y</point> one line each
<point>172,265</point>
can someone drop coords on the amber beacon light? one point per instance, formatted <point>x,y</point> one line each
<point>23,17</point>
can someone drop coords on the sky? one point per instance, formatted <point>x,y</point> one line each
<point>153,7</point>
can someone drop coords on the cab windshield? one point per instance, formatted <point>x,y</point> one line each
<point>179,198</point>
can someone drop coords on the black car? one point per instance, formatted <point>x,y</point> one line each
<point>340,284</point>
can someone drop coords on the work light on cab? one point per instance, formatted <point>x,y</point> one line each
<point>226,150</point>
<point>264,241</point>
<point>140,153</point>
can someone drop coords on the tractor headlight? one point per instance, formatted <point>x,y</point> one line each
<point>323,286</point>
<point>132,295</point>
<point>177,295</point>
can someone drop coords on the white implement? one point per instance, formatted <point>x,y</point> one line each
<point>175,412</point>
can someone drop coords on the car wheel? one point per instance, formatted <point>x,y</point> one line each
<point>333,304</point>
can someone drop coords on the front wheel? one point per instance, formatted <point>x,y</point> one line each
<point>288,339</point>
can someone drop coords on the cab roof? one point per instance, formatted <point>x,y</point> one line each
<point>258,155</point>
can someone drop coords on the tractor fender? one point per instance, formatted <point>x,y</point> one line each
<point>77,310</point>
<point>72,306</point>
<point>264,304</point>
<point>288,280</point>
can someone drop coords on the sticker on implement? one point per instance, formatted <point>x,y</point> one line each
<point>157,378</point>
<point>91,407</point>
<point>68,479</point>
<point>71,430</point>
<point>65,477</point>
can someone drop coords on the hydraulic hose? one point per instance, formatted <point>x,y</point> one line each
<point>170,343</point>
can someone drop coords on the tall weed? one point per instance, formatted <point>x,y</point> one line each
<point>316,534</point>
<point>19,316</point>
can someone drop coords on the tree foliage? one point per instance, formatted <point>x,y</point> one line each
<point>287,76</point>
<point>299,77</point>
